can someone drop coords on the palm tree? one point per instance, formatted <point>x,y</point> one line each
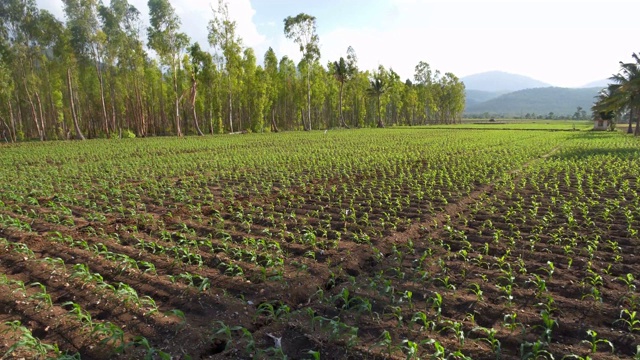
<point>625,90</point>
<point>614,99</point>
<point>377,87</point>
<point>342,72</point>
<point>606,105</point>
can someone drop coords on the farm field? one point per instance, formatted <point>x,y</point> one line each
<point>366,244</point>
<point>521,124</point>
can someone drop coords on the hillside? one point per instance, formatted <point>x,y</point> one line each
<point>499,81</point>
<point>479,96</point>
<point>560,101</point>
<point>602,83</point>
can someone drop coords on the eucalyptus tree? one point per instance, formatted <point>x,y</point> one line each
<point>51,74</point>
<point>451,98</point>
<point>355,102</point>
<point>255,90</point>
<point>343,71</point>
<point>88,42</point>
<point>424,78</point>
<point>215,76</point>
<point>166,39</point>
<point>325,94</point>
<point>199,61</point>
<point>154,97</point>
<point>409,103</point>
<point>272,88</point>
<point>11,33</point>
<point>6,89</point>
<point>302,29</point>
<point>290,103</point>
<point>6,113</point>
<point>133,63</point>
<point>395,88</point>
<point>204,71</point>
<point>222,36</point>
<point>124,60</point>
<point>23,56</point>
<point>63,54</point>
<point>94,75</point>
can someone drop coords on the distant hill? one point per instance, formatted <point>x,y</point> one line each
<point>479,96</point>
<point>560,101</point>
<point>598,83</point>
<point>499,81</point>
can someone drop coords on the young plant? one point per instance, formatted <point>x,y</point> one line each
<point>26,341</point>
<point>477,291</point>
<point>593,341</point>
<point>630,319</point>
<point>547,326</point>
<point>490,338</point>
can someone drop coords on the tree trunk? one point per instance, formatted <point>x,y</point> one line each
<point>12,119</point>
<point>142,120</point>
<point>112,92</point>
<point>33,112</point>
<point>342,122</point>
<point>53,113</point>
<point>42,123</point>
<point>239,113</point>
<point>308,97</point>
<point>163,116</point>
<point>194,92</point>
<point>230,103</point>
<point>79,135</point>
<point>7,131</point>
<point>177,104</point>
<point>413,116</point>
<point>210,117</point>
<point>380,123</point>
<point>274,126</point>
<point>637,133</point>
<point>104,106</point>
<point>178,129</point>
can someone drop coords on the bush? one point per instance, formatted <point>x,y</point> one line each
<point>128,134</point>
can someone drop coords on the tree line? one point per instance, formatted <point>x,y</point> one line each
<point>621,98</point>
<point>100,73</point>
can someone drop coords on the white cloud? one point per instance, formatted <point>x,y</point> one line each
<point>242,12</point>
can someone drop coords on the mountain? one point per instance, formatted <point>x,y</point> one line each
<point>499,81</point>
<point>560,101</point>
<point>602,83</point>
<point>479,96</point>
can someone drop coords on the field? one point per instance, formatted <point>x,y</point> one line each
<point>366,244</point>
<point>524,124</point>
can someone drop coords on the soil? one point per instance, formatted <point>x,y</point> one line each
<point>350,275</point>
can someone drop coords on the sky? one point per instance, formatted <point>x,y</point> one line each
<point>566,43</point>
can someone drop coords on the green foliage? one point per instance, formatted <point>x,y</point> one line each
<point>128,134</point>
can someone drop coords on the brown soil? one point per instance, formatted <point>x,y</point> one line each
<point>345,270</point>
